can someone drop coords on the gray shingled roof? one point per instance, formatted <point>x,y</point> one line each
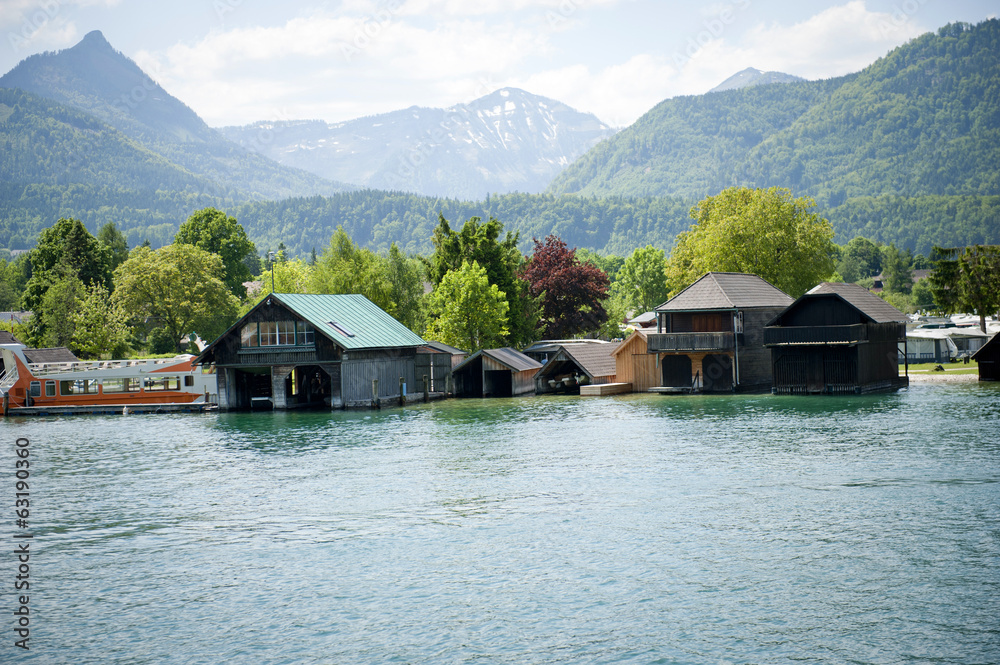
<point>727,290</point>
<point>594,359</point>
<point>59,354</point>
<point>869,304</point>
<point>508,357</point>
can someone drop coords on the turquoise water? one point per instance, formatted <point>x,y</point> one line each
<point>633,529</point>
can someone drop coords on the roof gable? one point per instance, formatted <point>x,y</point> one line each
<point>636,337</point>
<point>594,359</point>
<point>869,304</point>
<point>727,290</point>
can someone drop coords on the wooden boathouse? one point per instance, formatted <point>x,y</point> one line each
<point>710,336</point>
<point>319,350</point>
<point>635,365</point>
<point>571,366</point>
<point>502,372</point>
<point>837,338</point>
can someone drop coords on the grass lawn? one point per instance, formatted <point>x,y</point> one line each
<point>951,368</point>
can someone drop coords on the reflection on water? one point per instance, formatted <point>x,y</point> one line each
<point>551,529</point>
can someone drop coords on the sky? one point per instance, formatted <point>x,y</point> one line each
<point>240,61</point>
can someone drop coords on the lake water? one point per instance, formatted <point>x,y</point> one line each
<point>633,529</point>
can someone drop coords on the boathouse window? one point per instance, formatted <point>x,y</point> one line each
<point>268,333</point>
<point>78,387</point>
<point>36,389</point>
<point>50,388</point>
<point>286,333</point>
<point>305,334</point>
<point>126,385</point>
<point>248,335</point>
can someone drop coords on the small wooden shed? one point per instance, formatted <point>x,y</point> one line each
<point>502,372</point>
<point>435,361</point>
<point>988,357</point>
<point>635,365</point>
<point>573,365</point>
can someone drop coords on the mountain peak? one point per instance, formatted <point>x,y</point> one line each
<point>751,77</point>
<point>95,38</point>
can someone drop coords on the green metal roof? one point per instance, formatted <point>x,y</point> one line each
<point>352,321</point>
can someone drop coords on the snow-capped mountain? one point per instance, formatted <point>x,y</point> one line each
<point>509,140</point>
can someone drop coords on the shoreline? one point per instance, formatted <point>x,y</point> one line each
<point>941,377</point>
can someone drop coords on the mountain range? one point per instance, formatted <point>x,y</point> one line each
<point>509,140</point>
<point>904,151</point>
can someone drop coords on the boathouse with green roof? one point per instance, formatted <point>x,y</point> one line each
<point>313,350</point>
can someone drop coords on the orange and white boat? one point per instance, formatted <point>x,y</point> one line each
<point>63,386</point>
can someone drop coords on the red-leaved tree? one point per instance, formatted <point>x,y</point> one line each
<point>571,291</point>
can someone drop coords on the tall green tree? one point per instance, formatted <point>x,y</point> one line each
<point>897,273</point>
<point>467,311</point>
<point>345,267</point>
<point>860,258</point>
<point>54,322</point>
<point>115,243</point>
<point>99,325</point>
<point>499,257</point>
<point>214,231</point>
<point>967,280</point>
<point>406,287</point>
<point>178,287</point>
<point>642,280</point>
<point>765,232</point>
<point>66,249</point>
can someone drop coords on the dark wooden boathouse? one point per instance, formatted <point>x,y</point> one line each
<point>988,358</point>
<point>502,372</point>
<point>710,336</point>
<point>322,350</point>
<point>837,338</point>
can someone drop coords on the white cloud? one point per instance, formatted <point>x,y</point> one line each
<point>837,41</point>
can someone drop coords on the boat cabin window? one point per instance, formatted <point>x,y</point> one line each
<point>163,383</point>
<point>78,387</point>
<point>188,381</point>
<point>50,388</point>
<point>36,389</point>
<point>125,385</point>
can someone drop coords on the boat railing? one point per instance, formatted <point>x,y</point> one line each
<point>44,369</point>
<point>8,380</point>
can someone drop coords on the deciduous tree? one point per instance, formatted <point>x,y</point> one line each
<point>571,293</point>
<point>499,257</point>
<point>215,232</point>
<point>179,286</point>
<point>99,325</point>
<point>642,280</point>
<point>466,311</point>
<point>764,232</point>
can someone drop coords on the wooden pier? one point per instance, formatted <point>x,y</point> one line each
<point>606,389</point>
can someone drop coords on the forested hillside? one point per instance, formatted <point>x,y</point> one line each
<point>95,78</point>
<point>924,120</point>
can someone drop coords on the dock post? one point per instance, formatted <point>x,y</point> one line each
<point>402,391</point>
<point>427,389</point>
<point>6,404</point>
<point>375,400</point>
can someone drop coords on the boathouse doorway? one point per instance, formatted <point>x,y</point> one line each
<point>717,373</point>
<point>676,371</point>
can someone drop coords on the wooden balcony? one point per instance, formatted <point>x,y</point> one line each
<point>851,334</point>
<point>277,355</point>
<point>717,341</point>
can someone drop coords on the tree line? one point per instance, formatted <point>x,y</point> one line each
<point>475,289</point>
